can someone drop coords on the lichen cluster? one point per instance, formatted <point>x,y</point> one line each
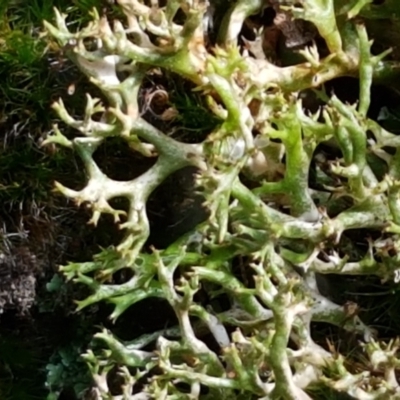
<point>270,237</point>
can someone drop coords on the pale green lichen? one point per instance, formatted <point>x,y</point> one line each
<point>283,249</point>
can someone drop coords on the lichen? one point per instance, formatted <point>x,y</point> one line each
<point>253,173</point>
